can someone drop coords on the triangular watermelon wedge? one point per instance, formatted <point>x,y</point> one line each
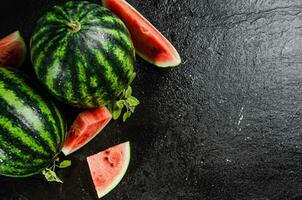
<point>12,50</point>
<point>85,127</point>
<point>149,43</point>
<point>108,167</point>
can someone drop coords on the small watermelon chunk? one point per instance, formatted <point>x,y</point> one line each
<point>149,43</point>
<point>12,50</point>
<point>85,127</point>
<point>108,167</point>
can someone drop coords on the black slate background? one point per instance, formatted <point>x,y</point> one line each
<point>225,125</point>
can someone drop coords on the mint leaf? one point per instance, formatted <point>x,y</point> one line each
<point>132,77</point>
<point>116,113</point>
<point>51,176</point>
<point>120,104</point>
<point>64,164</point>
<point>126,115</point>
<point>110,106</point>
<point>128,92</point>
<point>126,103</point>
<point>132,101</point>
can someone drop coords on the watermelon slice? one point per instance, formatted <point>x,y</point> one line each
<point>149,43</point>
<point>12,50</point>
<point>85,127</point>
<point>108,167</point>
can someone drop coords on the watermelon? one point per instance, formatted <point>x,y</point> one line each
<point>83,54</point>
<point>108,167</point>
<point>85,127</point>
<point>149,43</point>
<point>32,130</point>
<point>12,50</point>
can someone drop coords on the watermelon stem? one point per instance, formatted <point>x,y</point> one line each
<point>50,174</point>
<point>74,26</point>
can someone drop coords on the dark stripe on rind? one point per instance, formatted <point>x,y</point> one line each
<point>13,161</point>
<point>22,109</point>
<point>87,98</point>
<point>102,12</point>
<point>53,25</point>
<point>73,6</point>
<point>91,13</point>
<point>18,142</point>
<point>78,10</point>
<point>128,56</point>
<point>74,69</point>
<point>103,16</point>
<point>33,101</point>
<point>11,152</point>
<point>101,82</point>
<point>60,123</point>
<point>44,32</point>
<point>60,12</point>
<point>56,18</point>
<point>51,19</point>
<point>32,134</point>
<point>82,79</point>
<point>49,59</point>
<point>123,38</point>
<point>104,83</point>
<point>47,124</point>
<point>41,48</point>
<point>59,81</point>
<point>113,84</point>
<point>38,42</point>
<point>119,68</point>
<point>23,167</point>
<point>88,7</point>
<point>21,172</point>
<point>67,72</point>
<point>44,57</point>
<point>116,65</point>
<point>115,26</point>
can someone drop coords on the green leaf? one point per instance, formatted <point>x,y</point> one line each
<point>128,92</point>
<point>116,113</point>
<point>131,109</point>
<point>120,104</point>
<point>132,77</point>
<point>132,101</point>
<point>110,106</point>
<point>64,164</point>
<point>51,176</point>
<point>126,115</point>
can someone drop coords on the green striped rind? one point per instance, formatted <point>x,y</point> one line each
<point>32,130</point>
<point>87,68</point>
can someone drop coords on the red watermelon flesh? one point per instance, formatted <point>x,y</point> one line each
<point>85,127</point>
<point>108,167</point>
<point>12,50</point>
<point>149,43</point>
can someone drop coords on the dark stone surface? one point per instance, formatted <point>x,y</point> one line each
<point>226,125</point>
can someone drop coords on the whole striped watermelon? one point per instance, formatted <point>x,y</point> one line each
<point>32,130</point>
<point>83,54</point>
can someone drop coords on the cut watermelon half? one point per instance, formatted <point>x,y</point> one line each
<point>12,50</point>
<point>108,167</point>
<point>85,127</point>
<point>149,43</point>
